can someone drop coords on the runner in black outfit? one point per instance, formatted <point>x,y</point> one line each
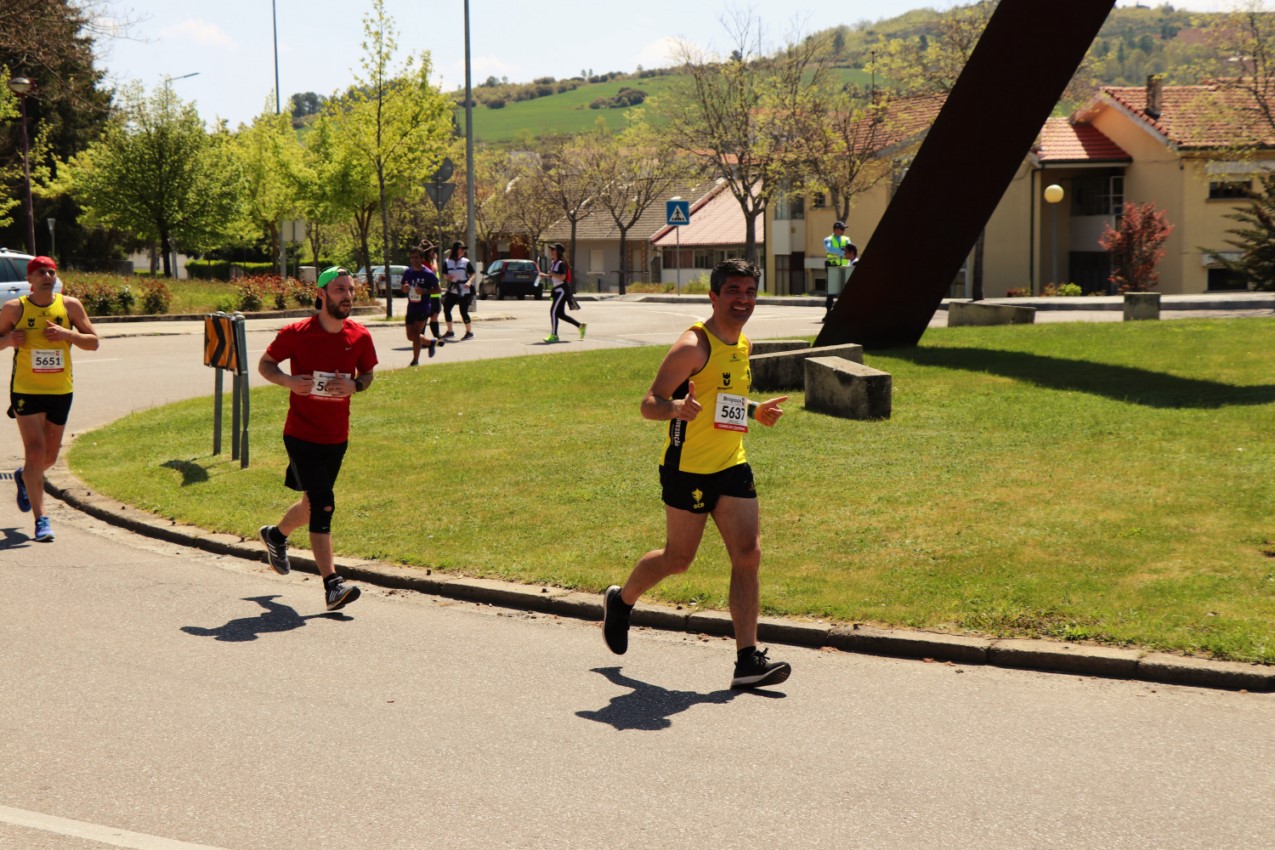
<point>560,273</point>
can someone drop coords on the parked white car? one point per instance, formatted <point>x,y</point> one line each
<point>378,278</point>
<point>13,275</point>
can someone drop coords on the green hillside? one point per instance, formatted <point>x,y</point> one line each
<point>1133,43</point>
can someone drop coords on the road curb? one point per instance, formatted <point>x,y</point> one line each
<point>1038,655</point>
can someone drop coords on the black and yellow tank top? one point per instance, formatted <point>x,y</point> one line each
<point>715,439</point>
<point>42,367</point>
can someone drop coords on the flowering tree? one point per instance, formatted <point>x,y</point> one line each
<point>1136,247</point>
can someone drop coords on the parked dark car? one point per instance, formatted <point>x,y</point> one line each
<point>504,278</point>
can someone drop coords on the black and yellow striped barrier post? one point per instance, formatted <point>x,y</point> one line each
<point>226,348</point>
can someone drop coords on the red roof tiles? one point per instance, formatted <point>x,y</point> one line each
<point>1062,141</point>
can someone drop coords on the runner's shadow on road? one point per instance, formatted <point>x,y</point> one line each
<point>648,707</point>
<point>276,618</point>
<point>13,539</point>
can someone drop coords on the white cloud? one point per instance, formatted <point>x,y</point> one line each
<point>660,53</point>
<point>200,32</point>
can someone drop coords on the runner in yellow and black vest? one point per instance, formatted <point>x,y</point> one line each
<point>41,328</point>
<point>701,390</point>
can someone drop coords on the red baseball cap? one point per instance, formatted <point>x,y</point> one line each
<point>41,263</point>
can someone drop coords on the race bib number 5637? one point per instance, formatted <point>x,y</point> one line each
<point>731,412</point>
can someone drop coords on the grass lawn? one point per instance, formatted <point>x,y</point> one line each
<point>1105,482</point>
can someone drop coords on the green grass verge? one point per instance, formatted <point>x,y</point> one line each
<point>1104,482</point>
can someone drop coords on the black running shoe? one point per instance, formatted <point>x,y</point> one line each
<point>340,594</point>
<point>468,335</point>
<point>276,553</point>
<point>755,670</point>
<point>615,620</point>
<point>433,344</point>
<point>449,335</point>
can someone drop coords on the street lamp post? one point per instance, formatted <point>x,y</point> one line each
<point>168,91</point>
<point>1053,196</point>
<point>53,240</point>
<point>21,87</point>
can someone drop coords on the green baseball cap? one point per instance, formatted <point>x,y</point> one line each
<point>330,274</point>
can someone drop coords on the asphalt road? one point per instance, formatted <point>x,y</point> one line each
<point>158,697</point>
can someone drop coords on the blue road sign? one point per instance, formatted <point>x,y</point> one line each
<point>678,213</point>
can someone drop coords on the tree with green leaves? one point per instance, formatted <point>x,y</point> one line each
<point>633,171</point>
<point>393,120</point>
<point>269,157</point>
<point>158,175</point>
<point>564,179</point>
<point>1254,239</point>
<point>736,116</point>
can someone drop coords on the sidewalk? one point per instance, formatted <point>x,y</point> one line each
<point>1039,655</point>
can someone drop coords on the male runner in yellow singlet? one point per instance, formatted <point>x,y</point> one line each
<point>41,328</point>
<point>701,390</point>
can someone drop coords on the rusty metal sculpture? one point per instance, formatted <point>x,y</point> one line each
<point>1014,77</point>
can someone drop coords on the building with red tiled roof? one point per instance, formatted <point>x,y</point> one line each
<point>597,254</point>
<point>715,231</point>
<point>1178,147</point>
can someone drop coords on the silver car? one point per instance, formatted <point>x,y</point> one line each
<point>13,275</point>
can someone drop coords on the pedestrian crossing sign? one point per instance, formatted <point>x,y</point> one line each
<point>678,213</point>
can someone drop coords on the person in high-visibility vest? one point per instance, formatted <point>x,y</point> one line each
<point>837,261</point>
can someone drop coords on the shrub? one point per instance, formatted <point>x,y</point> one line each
<point>1137,247</point>
<point>1024,292</point>
<point>98,298</point>
<point>251,293</point>
<point>125,298</point>
<point>156,297</point>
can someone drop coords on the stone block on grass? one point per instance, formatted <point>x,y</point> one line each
<point>980,313</point>
<point>1141,306</point>
<point>785,370</point>
<point>847,389</point>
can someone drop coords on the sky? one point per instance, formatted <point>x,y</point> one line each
<point>229,45</point>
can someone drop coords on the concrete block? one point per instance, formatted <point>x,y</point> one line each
<point>1141,306</point>
<point>770,346</point>
<point>970,313</point>
<point>785,370</point>
<point>847,389</point>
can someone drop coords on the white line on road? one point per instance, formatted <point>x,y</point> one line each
<point>94,832</point>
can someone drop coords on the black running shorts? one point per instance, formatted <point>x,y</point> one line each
<point>690,491</point>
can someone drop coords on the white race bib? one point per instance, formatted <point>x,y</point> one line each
<point>323,384</point>
<point>413,294</point>
<point>731,412</point>
<point>46,360</point>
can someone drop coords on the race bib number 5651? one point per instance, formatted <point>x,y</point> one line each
<point>47,360</point>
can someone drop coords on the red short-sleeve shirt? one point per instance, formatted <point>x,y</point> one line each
<point>312,350</point>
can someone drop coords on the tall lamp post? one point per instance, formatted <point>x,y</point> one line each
<point>168,91</point>
<point>21,87</point>
<point>1053,196</point>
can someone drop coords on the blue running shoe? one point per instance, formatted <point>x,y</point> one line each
<point>24,503</point>
<point>43,534</point>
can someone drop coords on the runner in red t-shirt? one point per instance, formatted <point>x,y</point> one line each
<point>332,359</point>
